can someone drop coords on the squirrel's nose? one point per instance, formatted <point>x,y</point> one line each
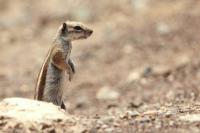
<point>90,32</point>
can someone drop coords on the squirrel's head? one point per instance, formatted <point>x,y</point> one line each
<point>70,31</point>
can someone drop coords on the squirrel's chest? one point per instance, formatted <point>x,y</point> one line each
<point>67,50</point>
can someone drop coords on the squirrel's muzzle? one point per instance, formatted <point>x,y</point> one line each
<point>89,32</point>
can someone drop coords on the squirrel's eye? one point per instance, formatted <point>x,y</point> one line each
<point>77,28</point>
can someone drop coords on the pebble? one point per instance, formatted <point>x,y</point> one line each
<point>129,114</point>
<point>151,112</point>
<point>134,76</point>
<point>190,117</point>
<point>139,4</point>
<point>107,93</point>
<point>163,28</point>
<point>132,113</point>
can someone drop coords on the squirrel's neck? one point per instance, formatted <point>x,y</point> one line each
<point>60,40</point>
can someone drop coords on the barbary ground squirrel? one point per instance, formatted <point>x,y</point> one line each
<point>49,81</point>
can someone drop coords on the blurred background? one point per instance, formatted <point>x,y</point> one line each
<point>142,52</point>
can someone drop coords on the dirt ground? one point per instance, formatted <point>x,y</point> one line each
<point>138,72</point>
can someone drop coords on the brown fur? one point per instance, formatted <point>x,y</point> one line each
<point>39,89</point>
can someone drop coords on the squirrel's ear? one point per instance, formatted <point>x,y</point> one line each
<point>64,28</point>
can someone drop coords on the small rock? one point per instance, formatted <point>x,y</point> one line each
<point>109,130</point>
<point>181,60</point>
<point>171,123</point>
<point>134,75</point>
<point>139,4</point>
<point>151,112</point>
<point>116,124</point>
<point>106,93</point>
<point>190,117</point>
<point>104,126</point>
<point>132,113</point>
<point>161,70</point>
<point>139,73</point>
<point>163,28</point>
<point>158,125</point>
<point>129,114</point>
<point>147,71</point>
<point>25,110</point>
<point>169,114</point>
